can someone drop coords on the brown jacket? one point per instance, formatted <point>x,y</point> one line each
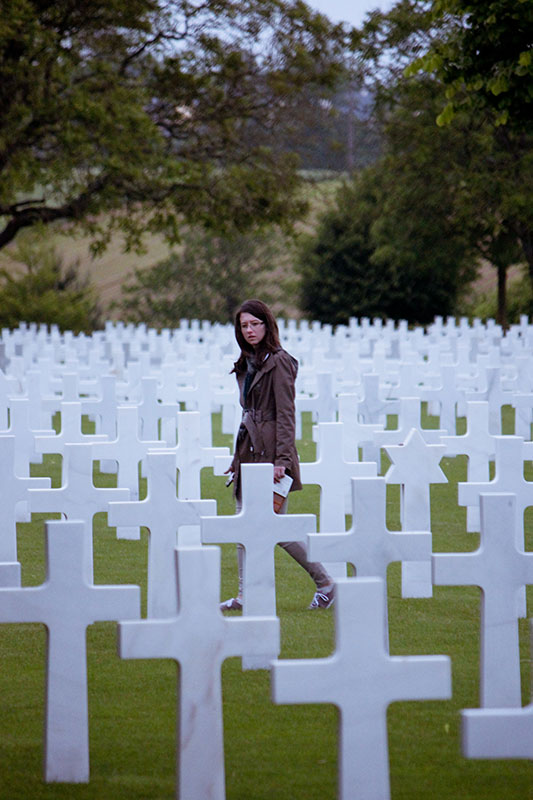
<point>267,432</point>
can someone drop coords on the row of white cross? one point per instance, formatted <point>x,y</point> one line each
<point>152,431</point>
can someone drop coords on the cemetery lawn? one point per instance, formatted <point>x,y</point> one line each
<point>272,752</point>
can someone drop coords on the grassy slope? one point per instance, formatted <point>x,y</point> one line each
<point>272,752</point>
<point>108,272</point>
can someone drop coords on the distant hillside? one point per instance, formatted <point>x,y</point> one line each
<point>110,271</point>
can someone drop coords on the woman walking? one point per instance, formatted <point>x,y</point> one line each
<point>266,374</point>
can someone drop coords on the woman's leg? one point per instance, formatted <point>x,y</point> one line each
<point>298,551</point>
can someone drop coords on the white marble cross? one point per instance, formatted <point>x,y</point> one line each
<point>500,569</point>
<point>190,455</point>
<point>199,638</point>
<point>103,412</point>
<point>361,679</point>
<point>323,404</point>
<point>332,473</point>
<point>13,509</point>
<point>153,413</point>
<point>128,449</point>
<point>510,453</point>
<point>78,497</point>
<point>447,396</point>
<point>198,398</point>
<point>409,417</point>
<point>479,445</point>
<point>415,465</point>
<point>498,732</point>
<point>163,514</point>
<point>71,433</point>
<point>25,452</point>
<point>369,545</point>
<point>372,409</point>
<point>67,602</point>
<point>356,434</point>
<point>496,397</point>
<point>259,529</point>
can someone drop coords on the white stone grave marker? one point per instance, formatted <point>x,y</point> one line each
<point>259,530</point>
<point>415,465</point>
<point>479,446</point>
<point>78,497</point>
<point>13,509</point>
<point>333,474</point>
<point>71,433</point>
<point>409,417</point>
<point>199,638</point>
<point>128,449</point>
<point>198,398</point>
<point>369,545</point>
<point>67,603</point>
<point>163,514</point>
<point>154,414</point>
<point>495,395</point>
<point>361,679</point>
<point>356,434</point>
<point>322,404</point>
<point>500,569</point>
<point>190,455</point>
<point>19,427</point>
<point>447,396</point>
<point>510,453</point>
<point>498,732</point>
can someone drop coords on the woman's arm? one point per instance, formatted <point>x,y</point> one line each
<point>283,378</point>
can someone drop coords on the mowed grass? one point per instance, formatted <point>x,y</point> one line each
<point>272,752</point>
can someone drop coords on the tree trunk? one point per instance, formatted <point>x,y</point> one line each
<point>501,314</point>
<point>525,237</point>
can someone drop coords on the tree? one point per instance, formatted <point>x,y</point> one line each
<point>207,279</point>
<point>486,60</point>
<point>337,276</point>
<point>142,115</point>
<point>481,55</point>
<point>392,248</point>
<point>44,290</point>
<point>473,179</point>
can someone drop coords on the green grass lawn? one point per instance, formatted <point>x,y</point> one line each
<point>272,752</point>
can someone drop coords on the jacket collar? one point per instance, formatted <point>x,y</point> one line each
<point>268,364</point>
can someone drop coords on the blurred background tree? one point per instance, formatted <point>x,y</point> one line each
<point>45,290</point>
<point>444,198</point>
<point>207,279</point>
<point>135,117</point>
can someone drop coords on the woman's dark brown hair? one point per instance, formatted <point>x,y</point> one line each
<point>268,344</point>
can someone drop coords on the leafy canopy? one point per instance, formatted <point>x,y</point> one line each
<point>136,116</point>
<point>486,61</point>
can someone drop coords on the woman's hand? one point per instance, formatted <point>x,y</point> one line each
<point>279,473</point>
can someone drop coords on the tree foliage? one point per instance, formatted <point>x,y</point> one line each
<point>388,250</point>
<point>206,279</point>
<point>45,290</point>
<point>136,116</point>
<point>444,196</point>
<point>486,60</point>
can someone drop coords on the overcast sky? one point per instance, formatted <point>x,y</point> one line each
<point>352,11</point>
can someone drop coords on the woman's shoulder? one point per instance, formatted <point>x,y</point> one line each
<point>284,359</point>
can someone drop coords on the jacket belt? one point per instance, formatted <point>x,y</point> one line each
<point>259,415</point>
<point>250,418</point>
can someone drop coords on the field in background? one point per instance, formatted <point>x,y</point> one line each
<point>110,271</point>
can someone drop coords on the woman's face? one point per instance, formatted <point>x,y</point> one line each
<point>252,329</point>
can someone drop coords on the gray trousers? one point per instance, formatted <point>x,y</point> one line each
<point>295,549</point>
